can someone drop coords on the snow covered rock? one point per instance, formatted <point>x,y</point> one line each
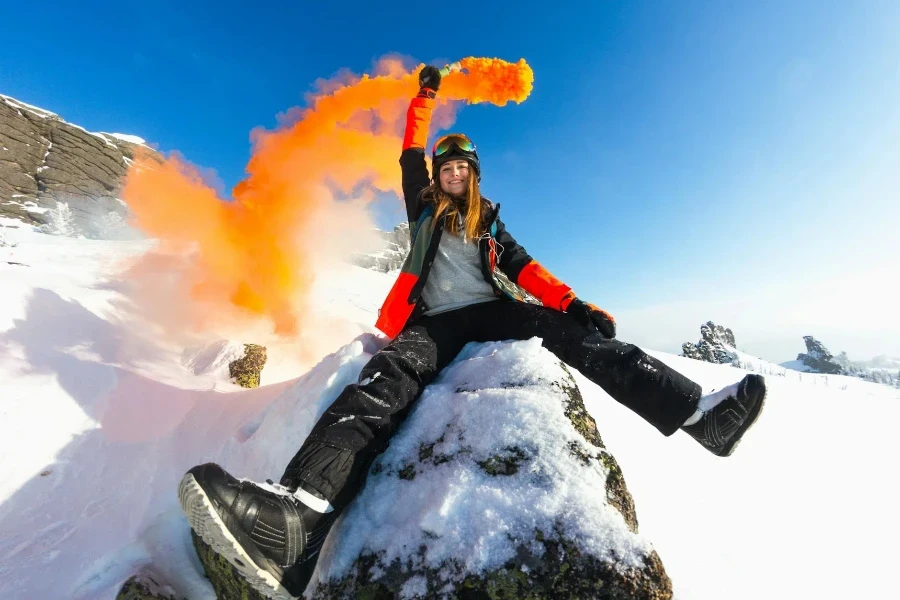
<point>716,345</point>
<point>498,485</point>
<point>232,360</point>
<point>818,358</point>
<point>391,256</point>
<point>61,177</point>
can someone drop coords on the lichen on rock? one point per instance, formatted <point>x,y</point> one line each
<point>145,586</point>
<point>246,371</point>
<point>551,567</point>
<point>225,579</point>
<point>616,490</point>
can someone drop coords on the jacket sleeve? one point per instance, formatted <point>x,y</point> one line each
<point>528,274</point>
<point>412,157</point>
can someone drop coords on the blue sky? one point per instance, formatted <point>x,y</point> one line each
<point>676,162</point>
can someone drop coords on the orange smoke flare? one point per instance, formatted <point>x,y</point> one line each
<point>248,254</point>
<point>489,80</point>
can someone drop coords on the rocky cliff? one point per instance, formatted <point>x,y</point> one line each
<point>61,177</point>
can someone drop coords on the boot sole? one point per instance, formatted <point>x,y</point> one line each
<point>207,523</point>
<point>729,448</point>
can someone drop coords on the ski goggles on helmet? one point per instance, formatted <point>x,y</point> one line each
<point>448,142</point>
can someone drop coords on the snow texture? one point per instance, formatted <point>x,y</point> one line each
<point>493,397</point>
<point>132,139</point>
<point>213,358</point>
<point>101,417</point>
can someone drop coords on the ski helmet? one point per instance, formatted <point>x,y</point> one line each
<point>454,146</point>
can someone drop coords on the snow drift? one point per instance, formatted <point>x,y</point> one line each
<point>101,417</point>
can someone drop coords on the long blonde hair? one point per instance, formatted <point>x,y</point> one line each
<point>446,205</point>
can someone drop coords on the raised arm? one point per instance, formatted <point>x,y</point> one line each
<point>415,139</point>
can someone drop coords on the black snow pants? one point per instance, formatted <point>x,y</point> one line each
<point>336,456</point>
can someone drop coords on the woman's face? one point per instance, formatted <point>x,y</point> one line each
<point>454,176</point>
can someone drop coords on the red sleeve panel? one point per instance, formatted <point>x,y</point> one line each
<point>418,118</point>
<point>540,283</point>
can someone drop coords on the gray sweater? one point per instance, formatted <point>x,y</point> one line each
<point>455,279</point>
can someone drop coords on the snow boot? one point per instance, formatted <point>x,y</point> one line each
<point>726,415</point>
<point>272,535</point>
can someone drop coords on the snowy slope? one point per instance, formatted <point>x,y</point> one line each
<point>101,415</point>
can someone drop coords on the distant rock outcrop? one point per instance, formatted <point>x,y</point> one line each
<point>881,369</point>
<point>716,345</point>
<point>60,177</point>
<point>391,256</point>
<point>394,252</point>
<point>818,358</point>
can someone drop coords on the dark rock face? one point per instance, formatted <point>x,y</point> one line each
<point>60,177</point>
<point>818,358</point>
<point>716,345</point>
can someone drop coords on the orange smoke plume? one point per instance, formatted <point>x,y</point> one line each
<point>248,255</point>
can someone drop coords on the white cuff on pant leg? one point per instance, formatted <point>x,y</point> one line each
<point>710,400</point>
<point>694,417</point>
<point>317,504</point>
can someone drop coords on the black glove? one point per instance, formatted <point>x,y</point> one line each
<point>430,77</point>
<point>592,317</point>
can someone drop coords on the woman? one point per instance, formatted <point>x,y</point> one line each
<point>450,292</point>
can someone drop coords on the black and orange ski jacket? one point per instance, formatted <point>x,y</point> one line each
<point>403,303</point>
